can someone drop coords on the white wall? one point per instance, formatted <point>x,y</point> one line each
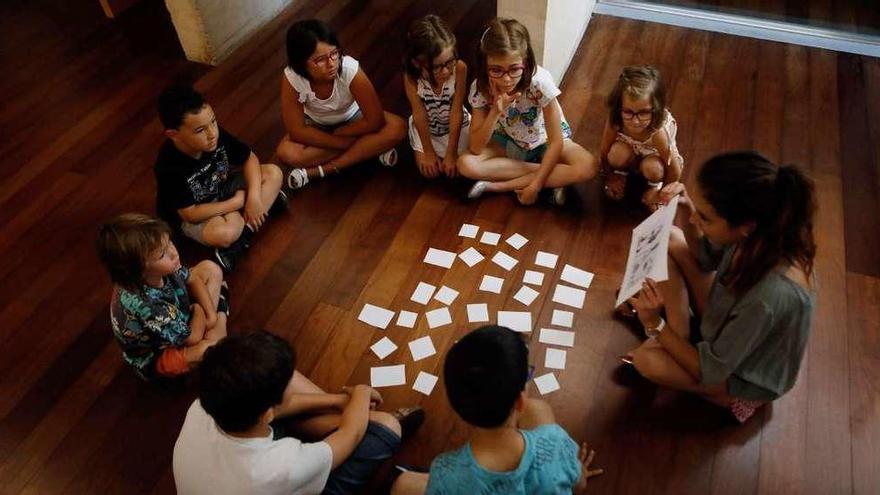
<point>209,30</point>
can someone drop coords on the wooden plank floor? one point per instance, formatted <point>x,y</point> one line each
<point>79,134</point>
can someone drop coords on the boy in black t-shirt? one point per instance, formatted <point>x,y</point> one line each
<point>209,183</point>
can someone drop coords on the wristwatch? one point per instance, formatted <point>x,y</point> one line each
<point>653,333</point>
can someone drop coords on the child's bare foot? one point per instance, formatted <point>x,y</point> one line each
<point>615,184</point>
<point>651,198</point>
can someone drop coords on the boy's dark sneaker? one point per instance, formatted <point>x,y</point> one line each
<point>279,205</point>
<point>227,257</point>
<point>410,418</point>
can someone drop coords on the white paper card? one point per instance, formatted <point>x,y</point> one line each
<point>423,293</point>
<point>526,295</point>
<point>562,318</point>
<point>438,317</point>
<point>425,383</point>
<point>446,295</point>
<point>517,241</point>
<point>387,376</point>
<point>556,337</point>
<point>407,319</point>
<point>439,257</point>
<point>576,276</point>
<point>554,359</point>
<point>376,316</point>
<point>468,230</point>
<point>647,252</point>
<point>422,348</point>
<point>383,348</point>
<point>533,277</point>
<point>491,284</point>
<point>504,261</point>
<point>569,296</point>
<point>547,383</point>
<point>471,256</point>
<point>478,313</point>
<point>547,260</point>
<point>518,321</point>
<point>490,238</point>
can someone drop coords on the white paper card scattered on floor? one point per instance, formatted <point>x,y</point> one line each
<point>478,313</point>
<point>383,348</point>
<point>526,295</point>
<point>547,260</point>
<point>387,376</point>
<point>517,241</point>
<point>518,321</point>
<point>439,257</point>
<point>647,252</point>
<point>504,261</point>
<point>569,296</point>
<point>556,337</point>
<point>562,318</point>
<point>490,238</point>
<point>423,293</point>
<point>576,276</point>
<point>376,316</point>
<point>554,359</point>
<point>422,348</point>
<point>547,383</point>
<point>407,319</point>
<point>425,383</point>
<point>471,256</point>
<point>446,295</point>
<point>533,277</point>
<point>491,284</point>
<point>438,317</point>
<point>468,230</point>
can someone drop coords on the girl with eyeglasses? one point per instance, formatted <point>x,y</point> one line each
<point>519,139</point>
<point>434,80</point>
<point>639,135</point>
<point>331,110</point>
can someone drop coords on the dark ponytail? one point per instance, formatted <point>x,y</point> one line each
<point>744,187</point>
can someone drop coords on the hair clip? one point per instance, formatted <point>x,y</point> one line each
<point>484,36</point>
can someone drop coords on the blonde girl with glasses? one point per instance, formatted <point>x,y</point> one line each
<point>639,136</point>
<point>519,139</point>
<point>435,84</point>
<point>331,111</point>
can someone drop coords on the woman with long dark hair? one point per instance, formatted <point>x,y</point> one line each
<point>743,267</point>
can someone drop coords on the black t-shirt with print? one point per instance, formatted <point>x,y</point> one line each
<point>183,181</point>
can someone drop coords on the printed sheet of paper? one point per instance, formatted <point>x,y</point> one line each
<point>547,383</point>
<point>438,317</point>
<point>547,260</point>
<point>576,276</point>
<point>504,261</point>
<point>556,337</point>
<point>471,256</point>
<point>478,313</point>
<point>422,348</point>
<point>569,296</point>
<point>554,359</point>
<point>647,252</point>
<point>562,318</point>
<point>425,383</point>
<point>383,348</point>
<point>468,230</point>
<point>446,295</point>
<point>526,295</point>
<point>491,284</point>
<point>440,257</point>
<point>423,293</point>
<point>407,319</point>
<point>533,277</point>
<point>518,321</point>
<point>387,376</point>
<point>516,241</point>
<point>376,316</point>
<point>490,238</point>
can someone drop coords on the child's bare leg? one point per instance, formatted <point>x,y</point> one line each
<point>222,230</point>
<point>620,158</point>
<point>410,483</point>
<point>271,178</point>
<point>211,275</point>
<point>371,145</point>
<point>576,165</point>
<point>219,330</point>
<point>299,155</point>
<point>492,164</point>
<point>654,171</point>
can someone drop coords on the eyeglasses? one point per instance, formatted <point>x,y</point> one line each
<point>448,65</point>
<point>641,115</point>
<point>326,59</point>
<point>512,71</point>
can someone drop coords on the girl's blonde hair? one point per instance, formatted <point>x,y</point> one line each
<point>500,37</point>
<point>638,81</point>
<point>425,40</point>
